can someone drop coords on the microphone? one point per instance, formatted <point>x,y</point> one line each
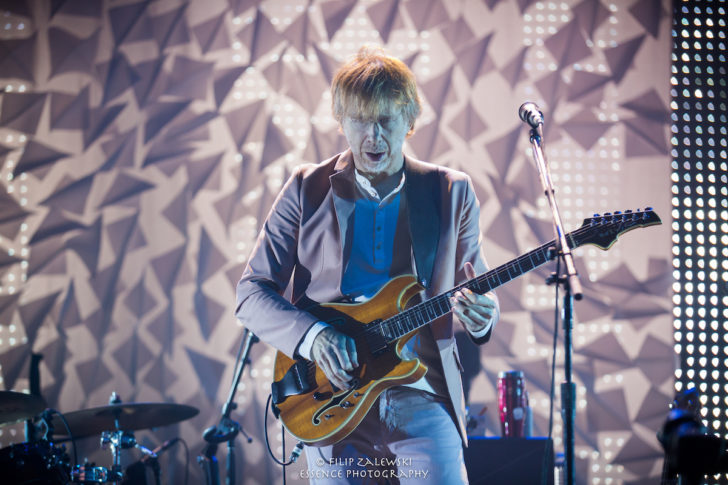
<point>152,454</point>
<point>530,113</point>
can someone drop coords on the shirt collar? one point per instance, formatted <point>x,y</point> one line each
<point>367,187</point>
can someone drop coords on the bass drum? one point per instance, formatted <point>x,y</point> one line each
<point>37,463</point>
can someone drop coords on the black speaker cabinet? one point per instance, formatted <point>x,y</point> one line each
<point>509,461</point>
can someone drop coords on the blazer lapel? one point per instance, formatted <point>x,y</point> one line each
<point>423,202</point>
<point>344,197</point>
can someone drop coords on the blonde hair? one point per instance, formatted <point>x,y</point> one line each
<point>373,82</point>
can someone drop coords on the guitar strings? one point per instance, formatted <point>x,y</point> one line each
<point>479,284</point>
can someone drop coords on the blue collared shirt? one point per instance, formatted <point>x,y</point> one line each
<point>374,225</point>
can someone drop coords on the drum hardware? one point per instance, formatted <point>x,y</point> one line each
<point>37,463</point>
<point>122,440</point>
<point>115,441</point>
<point>46,418</point>
<point>122,416</point>
<point>89,473</point>
<point>115,423</point>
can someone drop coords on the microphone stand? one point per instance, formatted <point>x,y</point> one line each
<point>227,430</point>
<point>572,290</point>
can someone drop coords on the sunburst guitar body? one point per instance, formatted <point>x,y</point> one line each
<point>326,414</point>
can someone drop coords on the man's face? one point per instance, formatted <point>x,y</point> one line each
<point>376,143</point>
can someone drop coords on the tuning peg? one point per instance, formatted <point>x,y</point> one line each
<point>617,213</point>
<point>628,211</point>
<point>648,208</point>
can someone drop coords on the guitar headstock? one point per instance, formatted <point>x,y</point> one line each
<point>603,230</point>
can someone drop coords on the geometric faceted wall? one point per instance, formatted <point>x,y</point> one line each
<point>142,144</point>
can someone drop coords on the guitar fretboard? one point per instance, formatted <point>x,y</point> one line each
<point>428,311</point>
<point>599,230</point>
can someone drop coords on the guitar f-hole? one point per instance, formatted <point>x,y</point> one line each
<point>326,409</point>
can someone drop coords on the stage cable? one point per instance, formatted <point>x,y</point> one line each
<point>187,460</point>
<point>296,450</point>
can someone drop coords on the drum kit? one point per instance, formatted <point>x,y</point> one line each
<point>42,462</point>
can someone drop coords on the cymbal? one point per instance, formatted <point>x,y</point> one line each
<point>17,406</point>
<point>128,416</point>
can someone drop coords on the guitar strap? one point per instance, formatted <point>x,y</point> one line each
<point>422,189</point>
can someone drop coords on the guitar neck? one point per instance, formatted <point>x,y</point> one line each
<point>602,231</point>
<point>428,311</point>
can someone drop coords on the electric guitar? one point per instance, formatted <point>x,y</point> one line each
<point>318,414</point>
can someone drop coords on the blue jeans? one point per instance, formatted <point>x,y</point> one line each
<point>409,437</point>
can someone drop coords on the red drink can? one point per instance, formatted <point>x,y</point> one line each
<point>512,404</point>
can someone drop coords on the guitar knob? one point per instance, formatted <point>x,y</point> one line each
<point>346,404</point>
<point>328,416</point>
<point>322,396</point>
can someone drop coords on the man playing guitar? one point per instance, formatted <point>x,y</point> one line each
<point>339,231</point>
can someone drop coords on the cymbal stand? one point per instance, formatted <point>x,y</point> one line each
<point>117,440</point>
<point>227,430</point>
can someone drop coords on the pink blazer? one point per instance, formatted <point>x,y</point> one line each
<point>300,250</point>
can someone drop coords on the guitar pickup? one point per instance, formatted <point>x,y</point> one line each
<point>353,384</point>
<point>376,342</point>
